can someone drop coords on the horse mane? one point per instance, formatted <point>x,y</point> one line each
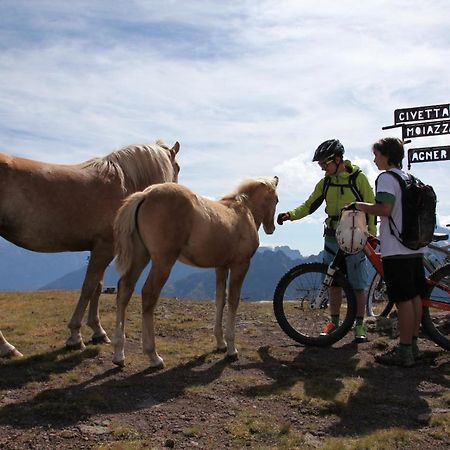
<point>246,187</point>
<point>136,166</point>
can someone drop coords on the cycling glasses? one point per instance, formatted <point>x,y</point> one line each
<point>325,164</point>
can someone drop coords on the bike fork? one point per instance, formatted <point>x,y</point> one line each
<point>321,296</point>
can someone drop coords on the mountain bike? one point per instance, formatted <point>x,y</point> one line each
<point>436,256</point>
<point>301,302</point>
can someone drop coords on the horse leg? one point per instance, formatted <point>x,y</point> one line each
<point>6,349</point>
<point>124,292</point>
<point>237,275</point>
<point>99,260</point>
<point>99,335</point>
<point>159,273</point>
<point>221,285</point>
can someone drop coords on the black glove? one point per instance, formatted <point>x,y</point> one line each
<point>282,217</point>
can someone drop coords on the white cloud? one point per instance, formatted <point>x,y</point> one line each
<point>248,88</point>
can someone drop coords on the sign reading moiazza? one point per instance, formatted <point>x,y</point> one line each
<point>424,121</point>
<point>415,130</point>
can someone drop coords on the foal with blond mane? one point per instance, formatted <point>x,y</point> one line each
<point>55,208</point>
<point>169,222</point>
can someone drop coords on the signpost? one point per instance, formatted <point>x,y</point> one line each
<point>428,154</point>
<point>424,121</point>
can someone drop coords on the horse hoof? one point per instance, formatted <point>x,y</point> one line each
<point>232,358</point>
<point>221,349</point>
<point>103,339</point>
<point>13,353</point>
<point>157,364</point>
<point>119,363</point>
<point>76,346</point>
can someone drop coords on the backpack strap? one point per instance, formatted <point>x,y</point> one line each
<point>351,184</point>
<point>353,187</point>
<point>326,185</point>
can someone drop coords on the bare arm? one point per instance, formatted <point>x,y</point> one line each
<point>376,209</point>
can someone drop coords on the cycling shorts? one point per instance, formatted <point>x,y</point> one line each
<point>355,265</point>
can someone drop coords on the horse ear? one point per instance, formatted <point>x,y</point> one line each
<point>276,179</point>
<point>175,149</point>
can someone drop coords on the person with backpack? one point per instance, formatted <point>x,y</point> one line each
<point>407,210</point>
<point>343,183</point>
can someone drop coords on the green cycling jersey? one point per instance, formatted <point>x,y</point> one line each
<point>338,194</point>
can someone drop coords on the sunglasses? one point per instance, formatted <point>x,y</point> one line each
<point>325,164</point>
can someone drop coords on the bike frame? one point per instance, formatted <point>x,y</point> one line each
<point>375,259</point>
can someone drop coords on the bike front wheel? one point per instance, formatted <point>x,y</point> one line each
<point>378,303</point>
<point>293,296</point>
<point>436,313</point>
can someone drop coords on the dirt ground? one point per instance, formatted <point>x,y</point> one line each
<point>276,395</point>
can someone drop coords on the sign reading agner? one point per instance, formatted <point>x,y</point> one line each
<point>419,113</point>
<point>428,154</point>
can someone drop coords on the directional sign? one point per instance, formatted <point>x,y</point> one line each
<point>423,121</point>
<point>419,113</point>
<point>427,114</point>
<point>428,154</point>
<point>425,129</point>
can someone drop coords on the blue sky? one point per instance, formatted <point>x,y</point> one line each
<point>249,88</point>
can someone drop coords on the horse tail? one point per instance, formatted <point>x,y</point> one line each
<point>126,233</point>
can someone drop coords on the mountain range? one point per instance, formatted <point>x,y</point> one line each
<point>23,270</point>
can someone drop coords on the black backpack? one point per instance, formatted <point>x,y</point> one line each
<point>418,212</point>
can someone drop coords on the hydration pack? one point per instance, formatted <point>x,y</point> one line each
<point>351,185</point>
<point>418,212</point>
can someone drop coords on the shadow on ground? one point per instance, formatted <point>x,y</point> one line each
<point>39,368</point>
<point>386,396</point>
<point>110,392</point>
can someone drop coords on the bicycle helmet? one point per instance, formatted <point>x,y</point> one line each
<point>328,150</point>
<point>351,233</point>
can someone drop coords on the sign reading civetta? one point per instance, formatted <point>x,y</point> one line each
<point>424,121</point>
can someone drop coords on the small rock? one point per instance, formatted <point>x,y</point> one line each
<point>67,434</point>
<point>94,429</point>
<point>169,443</point>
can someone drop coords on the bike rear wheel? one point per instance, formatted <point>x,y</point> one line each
<point>435,320</point>
<point>378,303</point>
<point>292,299</point>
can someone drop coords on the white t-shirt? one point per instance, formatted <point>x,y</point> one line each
<point>390,245</point>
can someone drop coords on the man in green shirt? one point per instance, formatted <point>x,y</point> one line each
<point>344,183</point>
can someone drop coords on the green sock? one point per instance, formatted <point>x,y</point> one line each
<point>359,320</point>
<point>335,320</point>
<point>405,349</point>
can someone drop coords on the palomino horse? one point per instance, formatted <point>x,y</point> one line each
<point>55,208</point>
<point>169,222</point>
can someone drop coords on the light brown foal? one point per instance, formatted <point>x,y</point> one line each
<point>169,222</point>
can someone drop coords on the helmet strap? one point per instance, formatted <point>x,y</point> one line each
<point>337,165</point>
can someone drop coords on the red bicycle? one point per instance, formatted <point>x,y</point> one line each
<point>301,301</point>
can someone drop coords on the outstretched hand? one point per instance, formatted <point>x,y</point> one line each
<point>282,217</point>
